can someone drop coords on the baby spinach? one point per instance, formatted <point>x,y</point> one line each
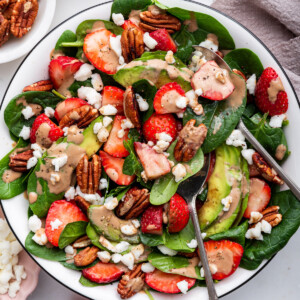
<point>93,236</point>
<point>256,251</point>
<point>67,36</point>
<point>16,187</point>
<point>166,186</point>
<point>126,6</point>
<point>72,266</point>
<point>54,254</point>
<point>72,232</point>
<point>131,164</point>
<point>78,84</point>
<point>88,283</point>
<point>118,192</point>
<point>13,116</point>
<point>152,240</point>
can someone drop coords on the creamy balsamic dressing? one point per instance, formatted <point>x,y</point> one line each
<point>134,17</point>
<point>222,259</point>
<point>235,194</point>
<point>96,26</point>
<point>42,135</point>
<point>235,100</point>
<point>280,152</point>
<point>191,23</point>
<point>190,270</point>
<point>10,176</point>
<point>155,10</point>
<point>36,108</point>
<point>212,37</point>
<point>32,197</point>
<point>275,87</point>
<point>168,101</point>
<point>75,135</point>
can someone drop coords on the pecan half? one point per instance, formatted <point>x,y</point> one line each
<point>40,86</point>
<point>135,202</point>
<point>7,13</point>
<point>82,203</point>
<point>271,215</point>
<point>3,5</point>
<point>81,116</point>
<point>86,256</point>
<point>132,282</point>
<point>23,16</point>
<point>88,174</point>
<point>132,44</point>
<point>18,161</point>
<point>82,242</point>
<point>150,22</point>
<point>265,170</point>
<point>190,139</point>
<point>131,108</point>
<point>4,30</point>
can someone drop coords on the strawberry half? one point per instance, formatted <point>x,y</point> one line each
<point>114,145</point>
<point>62,68</point>
<point>279,104</point>
<point>225,253</point>
<point>129,24</point>
<point>113,167</point>
<point>159,123</point>
<point>96,47</point>
<point>178,214</point>
<point>103,273</point>
<point>152,220</point>
<point>54,134</point>
<point>167,283</point>
<point>165,99</point>
<point>66,212</point>
<point>67,105</point>
<point>114,96</point>
<point>164,40</point>
<point>259,196</point>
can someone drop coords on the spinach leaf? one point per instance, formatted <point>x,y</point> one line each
<point>13,116</point>
<point>202,197</point>
<point>94,236</point>
<point>250,110</point>
<point>54,254</point>
<point>152,240</point>
<point>16,187</point>
<point>67,36</point>
<point>244,60</point>
<point>119,191</point>
<point>88,283</point>
<point>256,251</point>
<point>72,266</point>
<point>165,187</point>
<point>166,263</point>
<point>71,232</point>
<point>126,6</point>
<point>131,164</point>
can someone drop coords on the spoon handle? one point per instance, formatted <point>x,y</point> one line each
<point>208,278</point>
<point>258,147</point>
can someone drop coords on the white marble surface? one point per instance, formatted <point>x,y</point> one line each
<point>277,281</point>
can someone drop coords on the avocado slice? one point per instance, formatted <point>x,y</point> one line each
<point>106,223</point>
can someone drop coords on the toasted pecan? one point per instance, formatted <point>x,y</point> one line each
<point>82,242</point>
<point>40,86</point>
<point>4,30</point>
<point>271,215</point>
<point>18,161</point>
<point>3,5</point>
<point>86,256</point>
<point>7,12</point>
<point>131,110</point>
<point>132,44</point>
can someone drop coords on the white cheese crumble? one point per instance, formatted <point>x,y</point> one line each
<point>247,154</point>
<point>251,83</point>
<point>103,135</point>
<point>163,137</point>
<point>55,224</point>
<point>32,161</point>
<point>69,250</point>
<point>91,95</point>
<point>27,112</point>
<point>97,82</point>
<point>54,178</point>
<point>34,223</point>
<point>70,193</point>
<point>137,251</point>
<point>179,172</point>
<point>128,229</point>
<point>84,72</point>
<point>202,274</point>
<point>213,268</point>
<point>150,42</point>
<point>226,202</point>
<point>121,247</point>
<point>147,268</point>
<point>121,60</point>
<point>107,121</point>
<point>103,184</point>
<point>143,104</point>
<point>59,162</point>
<point>167,251</point>
<point>209,44</point>
<point>116,258</point>
<point>94,199</point>
<point>118,19</point>
<point>25,132</point>
<point>111,203</point>
<point>254,233</point>
<point>49,112</point>
<point>276,121</point>
<point>183,286</point>
<point>107,244</point>
<point>236,139</point>
<point>97,127</point>
<point>128,260</point>
<point>104,256</point>
<point>150,144</point>
<point>266,227</point>
<point>108,110</point>
<point>255,217</point>
<point>40,237</point>
<point>192,244</point>
<point>203,234</point>
<point>169,58</point>
<point>115,44</point>
<point>136,223</point>
<point>181,102</point>
<point>66,131</point>
<point>199,92</point>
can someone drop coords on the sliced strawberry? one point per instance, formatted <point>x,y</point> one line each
<point>167,283</point>
<point>272,100</point>
<point>155,164</point>
<point>178,214</point>
<point>159,123</point>
<point>211,165</point>
<point>259,196</point>
<point>113,167</point>
<point>114,145</point>
<point>96,48</point>
<point>103,272</point>
<point>166,97</point>
<point>164,40</point>
<point>129,24</point>
<point>219,252</point>
<point>67,105</point>
<point>152,220</point>
<point>114,96</point>
<point>62,68</point>
<point>54,134</point>
<point>205,79</point>
<point>65,212</point>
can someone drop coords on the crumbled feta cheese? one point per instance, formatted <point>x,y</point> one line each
<point>192,98</point>
<point>167,251</point>
<point>107,244</point>
<point>147,268</point>
<point>169,58</point>
<point>179,115</point>
<point>209,44</point>
<point>104,256</point>
<point>69,250</point>
<point>66,131</point>
<point>55,224</point>
<point>126,124</point>
<point>111,203</point>
<point>181,102</point>
<point>255,217</point>
<point>202,274</point>
<point>226,202</point>
<point>150,144</point>
<point>161,146</point>
<point>49,112</point>
<point>108,110</point>
<point>183,286</point>
<point>163,137</point>
<point>97,82</point>
<point>97,127</point>
<point>254,233</point>
<point>121,133</point>
<point>34,223</point>
<point>121,247</point>
<point>70,193</point>
<point>91,95</point>
<point>276,121</point>
<point>247,154</point>
<point>149,41</point>
<point>107,121</point>
<point>213,268</point>
<point>54,178</point>
<point>121,60</point>
<point>115,44</point>
<point>25,132</point>
<point>199,92</point>
<point>128,260</point>
<point>40,237</point>
<point>84,72</point>
<point>203,234</point>
<point>179,172</point>
<point>251,83</point>
<point>59,162</point>
<point>136,223</point>
<point>38,151</point>
<point>128,229</point>
<point>103,135</point>
<point>118,19</point>
<point>266,227</point>
<point>27,112</point>
<point>103,184</point>
<point>116,258</point>
<point>94,199</point>
<point>32,161</point>
<point>236,139</point>
<point>192,244</point>
<point>143,104</point>
<point>137,251</point>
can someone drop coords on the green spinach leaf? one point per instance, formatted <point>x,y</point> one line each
<point>93,236</point>
<point>72,266</point>
<point>118,192</point>
<point>67,36</point>
<point>131,164</point>
<point>152,240</point>
<point>126,6</point>
<point>88,283</point>
<point>78,84</point>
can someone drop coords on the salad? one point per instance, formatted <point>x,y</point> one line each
<point>127,114</point>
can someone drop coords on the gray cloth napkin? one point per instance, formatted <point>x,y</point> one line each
<point>276,23</point>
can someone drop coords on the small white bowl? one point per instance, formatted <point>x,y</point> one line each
<point>15,48</point>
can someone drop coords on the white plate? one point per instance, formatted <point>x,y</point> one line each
<point>16,209</point>
<point>15,48</point>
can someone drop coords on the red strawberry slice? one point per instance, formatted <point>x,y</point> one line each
<point>64,211</point>
<point>167,283</point>
<point>259,197</point>
<point>113,167</point>
<point>114,145</point>
<point>277,102</point>
<point>96,48</point>
<point>67,105</point>
<point>152,220</point>
<point>129,24</point>
<point>155,164</point>
<point>206,80</point>
<point>103,273</point>
<point>220,251</point>
<point>62,68</point>
<point>54,134</point>
<point>114,96</point>
<point>165,99</point>
<point>159,123</point>
<point>178,214</point>
<point>164,40</point>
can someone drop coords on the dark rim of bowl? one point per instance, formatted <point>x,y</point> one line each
<point>57,26</point>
